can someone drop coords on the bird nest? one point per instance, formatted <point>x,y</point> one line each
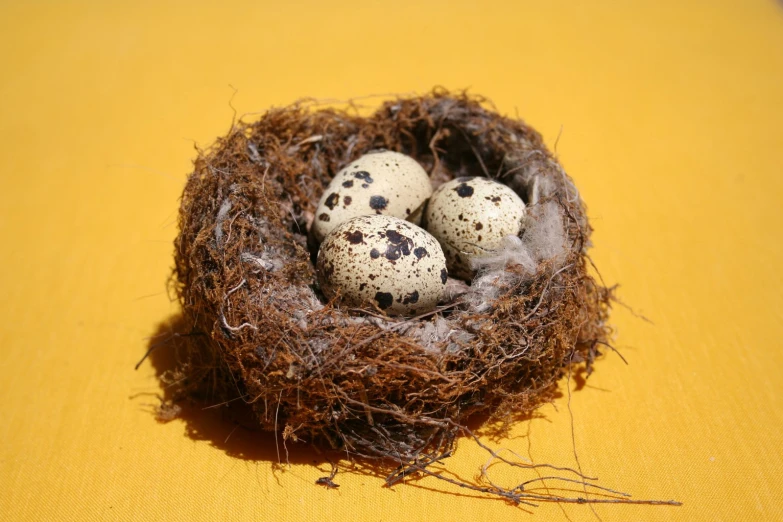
<point>376,386</point>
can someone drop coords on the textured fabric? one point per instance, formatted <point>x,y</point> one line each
<point>667,115</point>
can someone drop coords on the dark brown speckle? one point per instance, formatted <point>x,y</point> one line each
<point>364,176</point>
<point>384,300</point>
<point>355,237</point>
<point>464,190</point>
<point>332,200</point>
<point>411,298</point>
<point>378,203</point>
<point>398,245</point>
<point>324,217</point>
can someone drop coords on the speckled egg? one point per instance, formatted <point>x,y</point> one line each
<point>383,182</point>
<point>470,217</point>
<point>383,261</point>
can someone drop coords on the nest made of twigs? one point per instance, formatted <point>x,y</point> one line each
<point>374,386</point>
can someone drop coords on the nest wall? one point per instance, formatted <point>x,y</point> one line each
<point>375,386</point>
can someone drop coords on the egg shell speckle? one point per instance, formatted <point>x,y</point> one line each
<point>386,182</point>
<point>384,261</point>
<point>470,217</point>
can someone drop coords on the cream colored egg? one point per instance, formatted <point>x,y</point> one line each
<point>470,217</point>
<point>385,182</point>
<point>382,261</point>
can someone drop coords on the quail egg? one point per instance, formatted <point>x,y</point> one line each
<point>384,182</point>
<point>470,217</point>
<point>383,261</point>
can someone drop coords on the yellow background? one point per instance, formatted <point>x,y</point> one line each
<point>669,115</point>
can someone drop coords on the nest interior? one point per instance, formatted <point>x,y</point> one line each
<point>378,387</point>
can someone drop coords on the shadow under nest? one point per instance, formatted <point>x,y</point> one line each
<point>394,391</point>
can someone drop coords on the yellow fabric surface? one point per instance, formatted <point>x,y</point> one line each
<point>669,119</point>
